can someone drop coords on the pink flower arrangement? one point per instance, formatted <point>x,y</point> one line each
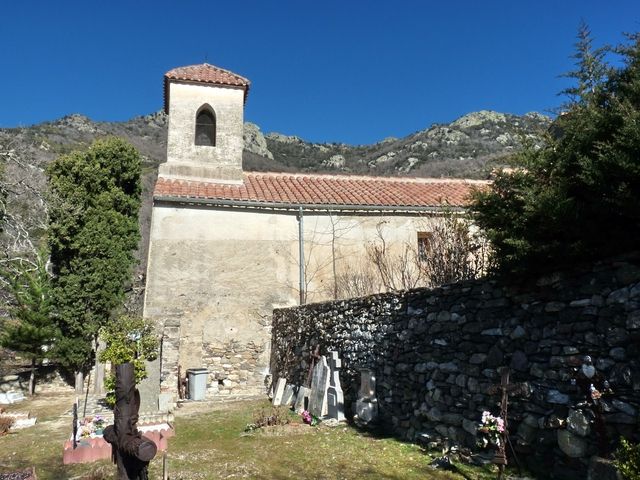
<point>91,427</point>
<point>492,429</point>
<point>310,419</point>
<point>491,423</point>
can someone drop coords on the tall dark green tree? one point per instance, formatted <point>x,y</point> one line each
<point>577,198</point>
<point>93,234</point>
<point>30,329</point>
<point>591,69</point>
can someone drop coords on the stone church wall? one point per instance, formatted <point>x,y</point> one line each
<point>436,352</point>
<point>215,276</point>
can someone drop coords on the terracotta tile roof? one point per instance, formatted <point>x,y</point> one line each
<point>204,73</point>
<point>326,190</point>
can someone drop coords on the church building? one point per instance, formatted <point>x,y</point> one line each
<point>228,246</point>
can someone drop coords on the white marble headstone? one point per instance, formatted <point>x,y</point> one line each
<point>279,391</point>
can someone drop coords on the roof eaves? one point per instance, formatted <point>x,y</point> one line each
<point>183,199</point>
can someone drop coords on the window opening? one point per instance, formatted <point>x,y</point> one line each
<point>424,245</point>
<point>206,128</point>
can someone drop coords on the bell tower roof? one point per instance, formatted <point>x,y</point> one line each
<point>204,73</point>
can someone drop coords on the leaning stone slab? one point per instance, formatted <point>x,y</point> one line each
<point>288,396</point>
<point>319,386</point>
<point>278,392</point>
<point>303,394</point>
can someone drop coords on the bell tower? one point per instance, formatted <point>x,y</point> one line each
<point>205,105</point>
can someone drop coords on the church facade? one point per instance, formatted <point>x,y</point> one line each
<point>227,246</point>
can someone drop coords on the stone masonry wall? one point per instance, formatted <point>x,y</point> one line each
<point>234,368</point>
<point>436,352</point>
<point>48,379</point>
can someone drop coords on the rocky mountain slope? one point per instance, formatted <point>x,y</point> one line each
<point>468,147</point>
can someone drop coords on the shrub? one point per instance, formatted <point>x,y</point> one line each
<point>269,417</point>
<point>128,339</point>
<point>628,460</point>
<point>5,424</point>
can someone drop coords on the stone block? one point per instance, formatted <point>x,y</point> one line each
<point>602,469</point>
<point>554,396</point>
<point>571,445</point>
<point>477,358</point>
<point>578,423</point>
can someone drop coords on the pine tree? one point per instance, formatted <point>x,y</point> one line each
<point>577,198</point>
<point>591,68</point>
<point>93,233</point>
<point>30,329</point>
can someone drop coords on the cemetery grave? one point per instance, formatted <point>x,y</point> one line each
<point>210,443</point>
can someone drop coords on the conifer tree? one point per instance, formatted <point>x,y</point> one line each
<point>577,198</point>
<point>30,329</point>
<point>591,67</point>
<point>93,233</point>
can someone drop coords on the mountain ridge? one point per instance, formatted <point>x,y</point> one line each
<point>469,147</point>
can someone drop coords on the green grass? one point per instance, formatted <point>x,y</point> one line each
<point>210,443</point>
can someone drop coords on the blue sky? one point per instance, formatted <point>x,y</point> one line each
<point>343,71</point>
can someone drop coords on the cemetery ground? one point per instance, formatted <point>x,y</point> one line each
<point>211,443</point>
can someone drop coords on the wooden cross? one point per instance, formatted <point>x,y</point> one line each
<point>505,389</point>
<point>314,356</point>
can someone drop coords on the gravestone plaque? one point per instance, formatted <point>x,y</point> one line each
<point>279,391</point>
<point>303,393</point>
<point>367,403</point>
<point>288,396</point>
<point>335,396</point>
<point>150,390</point>
<point>319,386</point>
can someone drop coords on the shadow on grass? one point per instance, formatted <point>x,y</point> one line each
<point>368,473</point>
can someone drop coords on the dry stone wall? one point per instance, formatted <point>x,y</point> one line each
<point>437,352</point>
<point>48,379</point>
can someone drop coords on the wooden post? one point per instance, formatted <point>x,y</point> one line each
<point>131,451</point>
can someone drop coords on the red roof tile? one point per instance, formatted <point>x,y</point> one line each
<point>204,73</point>
<point>326,190</point>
